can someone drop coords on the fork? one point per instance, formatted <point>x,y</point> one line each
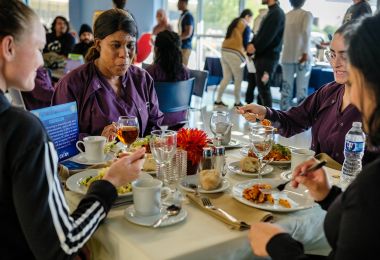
<point>208,205</point>
<point>314,167</point>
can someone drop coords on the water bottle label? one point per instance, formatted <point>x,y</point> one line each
<point>355,147</point>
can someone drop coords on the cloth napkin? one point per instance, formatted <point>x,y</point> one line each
<point>245,214</point>
<point>331,163</point>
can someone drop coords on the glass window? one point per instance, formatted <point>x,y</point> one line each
<point>49,9</point>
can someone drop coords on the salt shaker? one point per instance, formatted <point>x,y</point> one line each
<point>207,162</point>
<point>220,159</point>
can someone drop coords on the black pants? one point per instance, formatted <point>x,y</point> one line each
<point>265,65</point>
<point>250,94</point>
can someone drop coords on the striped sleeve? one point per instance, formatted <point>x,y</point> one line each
<point>74,230</point>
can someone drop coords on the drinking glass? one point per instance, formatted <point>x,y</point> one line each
<point>261,138</point>
<point>127,130</point>
<point>163,145</point>
<point>219,125</point>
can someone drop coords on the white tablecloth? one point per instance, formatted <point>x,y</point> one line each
<point>200,236</point>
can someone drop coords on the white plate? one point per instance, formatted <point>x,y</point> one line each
<point>234,167</point>
<point>195,180</point>
<point>130,215</point>
<point>80,158</point>
<point>73,182</point>
<point>286,175</point>
<point>299,198</point>
<point>244,152</point>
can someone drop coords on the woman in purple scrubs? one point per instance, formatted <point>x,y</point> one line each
<point>109,86</point>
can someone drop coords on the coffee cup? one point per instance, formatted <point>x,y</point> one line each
<point>147,196</point>
<point>227,136</point>
<point>93,148</point>
<point>299,156</point>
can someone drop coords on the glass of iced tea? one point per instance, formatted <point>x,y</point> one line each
<point>127,130</point>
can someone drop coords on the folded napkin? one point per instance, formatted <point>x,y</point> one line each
<point>331,163</point>
<point>243,213</point>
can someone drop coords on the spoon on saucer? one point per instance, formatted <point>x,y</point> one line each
<point>171,211</point>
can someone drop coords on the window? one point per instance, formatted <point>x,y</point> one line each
<point>47,10</point>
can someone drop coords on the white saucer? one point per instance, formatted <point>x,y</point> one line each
<point>130,215</point>
<point>80,158</point>
<point>194,179</point>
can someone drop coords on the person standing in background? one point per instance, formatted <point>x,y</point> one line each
<point>86,38</point>
<point>266,45</point>
<point>250,93</point>
<point>358,9</point>
<point>162,22</point>
<point>296,55</point>
<point>233,55</point>
<point>185,30</point>
<point>59,40</point>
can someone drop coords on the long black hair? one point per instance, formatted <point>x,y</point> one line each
<point>364,55</point>
<point>109,22</point>
<point>55,22</point>
<point>168,54</point>
<point>235,21</point>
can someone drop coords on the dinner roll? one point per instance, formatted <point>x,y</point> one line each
<point>209,179</point>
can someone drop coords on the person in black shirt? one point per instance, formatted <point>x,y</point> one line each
<point>357,10</point>
<point>86,38</point>
<point>352,221</point>
<point>36,220</point>
<point>266,45</point>
<point>60,40</point>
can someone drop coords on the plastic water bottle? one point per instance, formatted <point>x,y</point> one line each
<point>353,154</point>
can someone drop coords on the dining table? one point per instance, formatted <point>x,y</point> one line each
<point>201,235</point>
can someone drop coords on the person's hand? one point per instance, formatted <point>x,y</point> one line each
<point>110,131</point>
<point>250,49</point>
<point>303,58</point>
<point>316,181</point>
<point>125,169</point>
<point>259,236</point>
<point>251,112</point>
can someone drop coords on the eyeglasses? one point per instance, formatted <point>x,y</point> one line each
<point>332,56</point>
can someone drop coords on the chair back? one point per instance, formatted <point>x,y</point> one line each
<point>200,82</point>
<point>174,96</point>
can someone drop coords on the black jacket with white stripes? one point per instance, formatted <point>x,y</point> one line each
<point>34,217</point>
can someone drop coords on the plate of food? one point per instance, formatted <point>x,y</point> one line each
<point>80,182</point>
<point>248,166</point>
<point>189,181</point>
<point>252,193</point>
<point>280,154</point>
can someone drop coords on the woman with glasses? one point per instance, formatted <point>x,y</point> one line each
<point>351,224</point>
<point>327,111</point>
<point>109,86</point>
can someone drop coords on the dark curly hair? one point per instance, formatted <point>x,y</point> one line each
<point>55,22</point>
<point>168,54</point>
<point>297,3</point>
<point>364,55</point>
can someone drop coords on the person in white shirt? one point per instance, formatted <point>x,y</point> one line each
<point>296,55</point>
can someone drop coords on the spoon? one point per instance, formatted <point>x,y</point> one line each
<point>171,211</point>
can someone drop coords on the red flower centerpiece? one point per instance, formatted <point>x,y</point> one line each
<point>192,140</point>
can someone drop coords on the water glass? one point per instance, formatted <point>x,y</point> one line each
<point>261,138</point>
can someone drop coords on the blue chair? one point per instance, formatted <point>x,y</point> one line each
<point>175,97</point>
<point>200,82</point>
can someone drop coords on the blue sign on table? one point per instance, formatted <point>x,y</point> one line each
<point>61,123</point>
